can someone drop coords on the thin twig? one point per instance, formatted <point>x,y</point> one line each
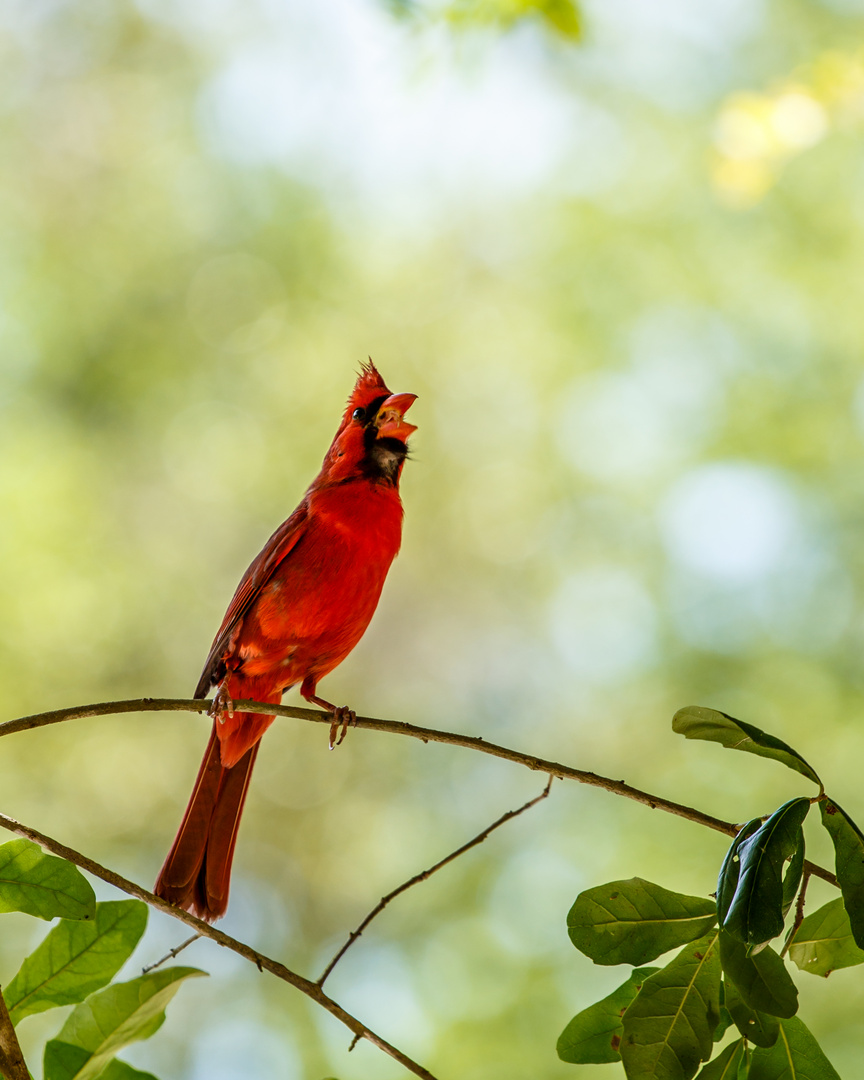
<point>470,742</point>
<point>423,875</point>
<point>305,986</point>
<point>12,1064</point>
<point>170,955</point>
<point>799,912</point>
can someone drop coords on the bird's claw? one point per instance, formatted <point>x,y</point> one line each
<point>221,705</point>
<point>342,717</point>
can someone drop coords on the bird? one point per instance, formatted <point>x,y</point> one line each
<point>300,608</point>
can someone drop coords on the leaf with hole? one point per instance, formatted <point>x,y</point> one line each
<point>824,941</point>
<point>109,1020</point>
<point>669,1026</point>
<point>848,843</point>
<point>593,1036</point>
<point>758,906</point>
<point>697,722</point>
<point>763,980</point>
<point>42,885</point>
<point>795,1056</point>
<point>730,1064</point>
<point>635,921</point>
<point>759,1027</point>
<point>76,958</point>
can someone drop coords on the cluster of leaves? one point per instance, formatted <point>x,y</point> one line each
<point>75,964</point>
<point>664,1023</point>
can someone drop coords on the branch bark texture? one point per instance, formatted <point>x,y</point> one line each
<point>261,961</point>
<point>394,727</point>
<point>12,1064</point>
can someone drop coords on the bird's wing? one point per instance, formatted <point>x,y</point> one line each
<point>280,544</point>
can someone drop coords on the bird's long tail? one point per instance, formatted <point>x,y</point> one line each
<point>196,874</point>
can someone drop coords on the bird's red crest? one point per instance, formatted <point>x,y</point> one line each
<point>368,387</point>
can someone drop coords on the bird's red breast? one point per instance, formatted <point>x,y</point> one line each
<point>307,599</point>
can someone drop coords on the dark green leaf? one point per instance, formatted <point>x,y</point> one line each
<point>793,877</point>
<point>119,1070</point>
<point>728,1064</point>
<point>760,1028</point>
<point>723,1024</point>
<point>696,722</point>
<point>123,1013</point>
<point>668,1029</point>
<point>76,958</point>
<point>593,1036</point>
<point>763,980</point>
<point>635,921</point>
<point>795,1056</point>
<point>42,885</point>
<point>824,942</point>
<point>730,870</point>
<point>849,861</point>
<point>756,912</point>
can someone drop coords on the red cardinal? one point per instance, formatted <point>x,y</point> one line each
<point>300,608</point>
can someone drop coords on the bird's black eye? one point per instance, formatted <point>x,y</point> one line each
<point>358,414</point>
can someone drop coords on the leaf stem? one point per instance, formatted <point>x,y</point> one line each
<point>799,912</point>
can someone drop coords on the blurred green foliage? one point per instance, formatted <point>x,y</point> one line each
<point>561,16</point>
<point>636,483</point>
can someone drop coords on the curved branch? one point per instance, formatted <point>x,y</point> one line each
<point>262,962</point>
<point>424,875</point>
<point>426,735</point>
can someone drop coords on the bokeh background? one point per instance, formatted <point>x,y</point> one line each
<point>618,254</point>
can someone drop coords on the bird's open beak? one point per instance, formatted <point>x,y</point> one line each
<point>390,422</point>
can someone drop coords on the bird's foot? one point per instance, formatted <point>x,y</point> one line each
<point>342,717</point>
<point>222,706</point>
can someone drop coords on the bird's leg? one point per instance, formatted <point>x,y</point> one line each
<point>221,705</point>
<point>342,716</point>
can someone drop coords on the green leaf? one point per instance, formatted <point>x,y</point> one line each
<point>763,980</point>
<point>42,885</point>
<point>593,1036</point>
<point>730,869</point>
<point>824,942</point>
<point>756,912</point>
<point>723,1024</point>
<point>760,1028</point>
<point>728,1064</point>
<point>848,843</point>
<point>668,1029</point>
<point>123,1013</point>
<point>119,1070</point>
<point>76,958</point>
<point>696,722</point>
<point>795,1056</point>
<point>793,877</point>
<point>635,921</point>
